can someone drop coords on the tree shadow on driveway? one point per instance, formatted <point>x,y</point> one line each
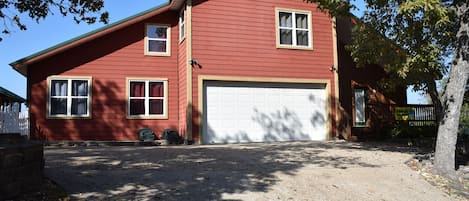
<point>188,172</point>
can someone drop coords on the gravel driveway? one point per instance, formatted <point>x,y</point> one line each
<point>274,171</point>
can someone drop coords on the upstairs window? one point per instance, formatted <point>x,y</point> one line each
<point>293,29</point>
<point>147,98</point>
<point>157,40</point>
<point>182,24</point>
<point>69,97</point>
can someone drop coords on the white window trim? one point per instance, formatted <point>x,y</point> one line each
<point>360,107</point>
<point>182,24</point>
<point>147,98</point>
<point>168,41</point>
<point>69,97</point>
<point>310,29</point>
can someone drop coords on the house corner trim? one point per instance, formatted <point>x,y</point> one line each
<point>336,75</point>
<point>189,106</point>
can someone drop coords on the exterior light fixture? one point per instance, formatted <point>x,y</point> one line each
<point>194,62</point>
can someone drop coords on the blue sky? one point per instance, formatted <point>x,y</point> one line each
<point>56,29</point>
<point>51,31</point>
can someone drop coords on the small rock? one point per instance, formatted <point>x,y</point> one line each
<point>464,169</point>
<point>466,176</point>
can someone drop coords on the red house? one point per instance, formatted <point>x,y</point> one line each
<point>217,71</point>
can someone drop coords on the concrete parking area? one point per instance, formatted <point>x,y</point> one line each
<point>260,171</point>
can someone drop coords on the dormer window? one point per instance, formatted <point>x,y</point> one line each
<point>293,29</point>
<point>157,40</point>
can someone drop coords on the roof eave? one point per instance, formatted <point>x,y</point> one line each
<point>12,96</point>
<point>21,64</point>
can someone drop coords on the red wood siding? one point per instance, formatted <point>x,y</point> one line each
<point>182,65</point>
<point>237,38</point>
<point>109,60</point>
<point>377,107</point>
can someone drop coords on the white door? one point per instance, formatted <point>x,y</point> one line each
<point>239,112</point>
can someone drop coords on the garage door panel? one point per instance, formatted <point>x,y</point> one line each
<point>238,112</point>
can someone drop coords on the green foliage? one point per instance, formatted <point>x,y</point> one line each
<point>11,11</point>
<point>425,32</point>
<point>400,132</point>
<point>409,38</point>
<point>464,118</point>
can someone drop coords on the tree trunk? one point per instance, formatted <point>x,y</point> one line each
<point>433,92</point>
<point>454,95</point>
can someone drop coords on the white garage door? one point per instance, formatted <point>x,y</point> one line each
<point>238,112</point>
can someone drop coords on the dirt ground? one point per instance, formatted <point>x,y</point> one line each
<point>273,171</point>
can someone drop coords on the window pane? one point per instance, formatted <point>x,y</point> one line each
<point>156,46</point>
<point>285,37</point>
<point>360,107</point>
<point>58,88</point>
<point>302,38</point>
<point>79,88</point>
<point>285,19</point>
<point>301,21</point>
<point>58,106</point>
<point>79,106</point>
<point>156,32</point>
<point>137,107</point>
<point>181,33</point>
<point>137,89</point>
<point>156,106</point>
<point>182,16</point>
<point>156,89</point>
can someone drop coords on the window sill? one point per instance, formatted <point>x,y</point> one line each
<point>294,47</point>
<point>154,54</point>
<point>182,40</point>
<point>162,117</point>
<point>68,117</point>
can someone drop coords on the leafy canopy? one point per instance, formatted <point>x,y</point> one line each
<point>417,38</point>
<point>11,11</point>
<point>409,38</point>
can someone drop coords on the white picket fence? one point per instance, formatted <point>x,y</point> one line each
<point>14,122</point>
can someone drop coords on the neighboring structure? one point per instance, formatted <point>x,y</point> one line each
<point>11,118</point>
<point>217,71</point>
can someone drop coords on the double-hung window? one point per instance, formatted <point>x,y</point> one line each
<point>147,98</point>
<point>69,97</point>
<point>293,29</point>
<point>157,40</point>
<point>182,24</point>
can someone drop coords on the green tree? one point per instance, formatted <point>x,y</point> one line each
<point>417,38</point>
<point>12,11</point>
<point>454,94</point>
<point>411,39</point>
